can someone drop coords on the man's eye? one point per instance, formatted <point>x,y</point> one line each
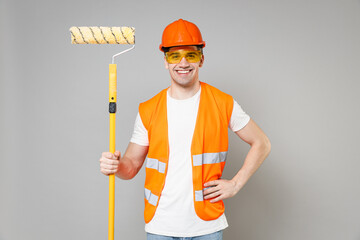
<point>174,56</point>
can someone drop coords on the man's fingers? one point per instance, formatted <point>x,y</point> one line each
<point>109,161</point>
<point>108,169</point>
<point>211,183</point>
<point>106,155</point>
<point>107,172</point>
<point>117,154</point>
<point>110,155</point>
<point>108,166</point>
<point>212,195</point>
<point>216,199</point>
<point>211,190</point>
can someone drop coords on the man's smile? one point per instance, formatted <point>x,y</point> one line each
<point>183,71</point>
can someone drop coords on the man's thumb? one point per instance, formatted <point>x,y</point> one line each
<point>117,154</point>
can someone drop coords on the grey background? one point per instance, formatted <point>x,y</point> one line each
<point>292,65</point>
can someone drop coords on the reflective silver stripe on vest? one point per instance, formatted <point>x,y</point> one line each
<point>152,199</point>
<point>155,164</point>
<point>209,158</point>
<point>199,196</point>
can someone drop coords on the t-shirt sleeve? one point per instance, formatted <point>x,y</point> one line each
<point>140,134</point>
<point>238,119</point>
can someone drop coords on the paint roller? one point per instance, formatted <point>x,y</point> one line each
<point>107,35</point>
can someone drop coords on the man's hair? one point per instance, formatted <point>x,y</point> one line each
<point>199,47</point>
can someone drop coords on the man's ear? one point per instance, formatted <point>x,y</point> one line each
<point>166,63</point>
<point>202,60</point>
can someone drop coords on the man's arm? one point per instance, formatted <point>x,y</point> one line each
<point>260,149</point>
<point>128,165</point>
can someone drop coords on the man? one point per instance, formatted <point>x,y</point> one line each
<point>182,132</point>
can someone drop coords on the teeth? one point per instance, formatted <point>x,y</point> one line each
<point>183,71</point>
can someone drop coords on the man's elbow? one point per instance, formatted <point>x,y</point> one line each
<point>266,145</point>
<point>263,145</point>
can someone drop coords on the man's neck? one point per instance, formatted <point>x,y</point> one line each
<point>181,92</point>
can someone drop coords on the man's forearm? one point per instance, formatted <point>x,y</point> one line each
<point>255,157</point>
<point>127,170</point>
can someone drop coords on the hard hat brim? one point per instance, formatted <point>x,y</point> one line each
<point>202,44</point>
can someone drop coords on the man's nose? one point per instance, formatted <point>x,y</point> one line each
<point>183,62</point>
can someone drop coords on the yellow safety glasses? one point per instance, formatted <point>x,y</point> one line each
<point>192,56</point>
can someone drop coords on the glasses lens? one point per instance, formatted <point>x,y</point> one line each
<point>193,56</point>
<point>176,56</point>
<point>173,57</point>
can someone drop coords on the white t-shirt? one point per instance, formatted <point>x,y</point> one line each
<point>175,215</point>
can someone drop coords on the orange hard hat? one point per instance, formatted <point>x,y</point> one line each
<point>181,33</point>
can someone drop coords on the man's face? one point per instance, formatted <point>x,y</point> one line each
<point>184,73</point>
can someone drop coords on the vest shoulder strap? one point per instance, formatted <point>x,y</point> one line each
<point>147,108</point>
<point>224,101</point>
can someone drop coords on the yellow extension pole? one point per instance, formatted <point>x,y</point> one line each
<point>112,112</point>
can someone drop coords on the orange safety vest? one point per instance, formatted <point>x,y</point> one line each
<point>208,149</point>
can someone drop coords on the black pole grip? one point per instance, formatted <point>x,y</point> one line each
<point>112,107</point>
